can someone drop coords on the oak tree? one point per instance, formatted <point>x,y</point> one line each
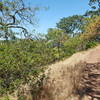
<point>14,15</point>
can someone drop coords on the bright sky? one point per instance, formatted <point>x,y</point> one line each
<point>57,10</point>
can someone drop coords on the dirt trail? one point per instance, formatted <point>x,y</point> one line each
<point>90,56</point>
<point>58,85</point>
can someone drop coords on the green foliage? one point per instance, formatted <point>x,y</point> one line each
<point>17,63</point>
<point>6,98</point>
<point>56,38</point>
<point>71,25</point>
<point>78,43</point>
<point>92,13</point>
<point>93,26</point>
<point>91,44</point>
<point>94,3</point>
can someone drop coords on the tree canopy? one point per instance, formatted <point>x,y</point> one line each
<point>93,3</point>
<point>15,14</point>
<point>71,25</point>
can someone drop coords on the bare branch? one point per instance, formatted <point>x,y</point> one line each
<point>20,10</point>
<point>19,27</point>
<point>13,20</point>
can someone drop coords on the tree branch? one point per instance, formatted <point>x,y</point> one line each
<point>19,27</point>
<point>13,20</point>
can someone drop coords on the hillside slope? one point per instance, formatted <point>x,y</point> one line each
<point>76,78</point>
